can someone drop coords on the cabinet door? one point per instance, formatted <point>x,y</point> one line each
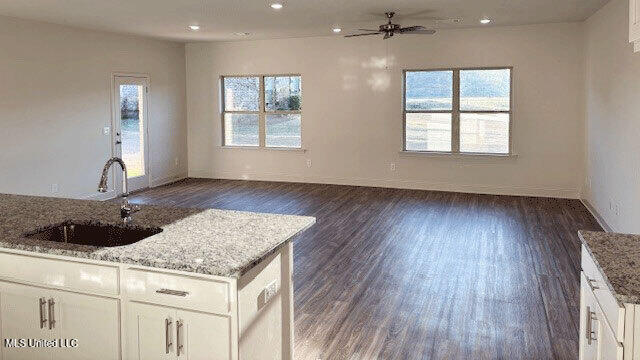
<point>203,336</point>
<point>150,332</point>
<point>589,324</point>
<point>23,315</point>
<point>92,321</point>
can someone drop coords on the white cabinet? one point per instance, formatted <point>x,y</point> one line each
<point>150,332</point>
<point>588,323</point>
<point>93,321</point>
<point>159,332</point>
<point>111,311</point>
<point>634,23</point>
<point>23,315</point>
<point>86,327</point>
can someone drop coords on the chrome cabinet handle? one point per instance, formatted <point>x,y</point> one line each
<point>179,346</point>
<point>167,335</point>
<point>43,318</point>
<point>172,292</point>
<point>591,281</point>
<point>590,332</point>
<point>52,312</point>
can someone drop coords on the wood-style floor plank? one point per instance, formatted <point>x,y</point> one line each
<point>408,274</point>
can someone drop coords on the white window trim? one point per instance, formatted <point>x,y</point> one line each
<point>262,113</point>
<point>455,114</point>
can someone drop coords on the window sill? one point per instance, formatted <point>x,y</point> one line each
<point>456,155</point>
<point>295,150</point>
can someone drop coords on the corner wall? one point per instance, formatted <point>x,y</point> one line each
<point>55,99</point>
<point>613,119</point>
<point>352,109</point>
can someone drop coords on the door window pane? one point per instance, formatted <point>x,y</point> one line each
<point>241,93</point>
<point>428,132</point>
<point>429,90</point>
<point>283,130</point>
<point>485,90</point>
<point>132,129</point>
<point>282,93</point>
<point>484,133</point>
<point>241,129</point>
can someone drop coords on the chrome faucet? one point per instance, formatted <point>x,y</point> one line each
<point>126,209</point>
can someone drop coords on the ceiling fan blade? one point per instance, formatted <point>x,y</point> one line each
<point>411,28</point>
<point>352,35</point>
<point>425,32</point>
<point>377,30</point>
<point>387,35</point>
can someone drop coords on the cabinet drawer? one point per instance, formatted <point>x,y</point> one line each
<point>609,347</point>
<point>613,311</point>
<point>69,275</point>
<point>177,290</point>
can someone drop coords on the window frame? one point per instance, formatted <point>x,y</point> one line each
<point>262,113</point>
<point>456,111</point>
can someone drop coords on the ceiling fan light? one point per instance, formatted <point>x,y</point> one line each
<point>485,21</point>
<point>336,30</point>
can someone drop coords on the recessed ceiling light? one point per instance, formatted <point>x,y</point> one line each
<point>241,33</point>
<point>276,6</point>
<point>194,27</point>
<point>336,30</point>
<point>485,21</point>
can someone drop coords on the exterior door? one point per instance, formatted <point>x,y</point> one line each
<point>24,315</point>
<point>131,129</point>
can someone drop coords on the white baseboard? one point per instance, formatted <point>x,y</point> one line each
<point>168,179</point>
<point>399,184</point>
<point>596,215</point>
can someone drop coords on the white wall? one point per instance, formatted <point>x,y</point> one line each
<point>613,118</point>
<point>55,88</point>
<point>352,122</point>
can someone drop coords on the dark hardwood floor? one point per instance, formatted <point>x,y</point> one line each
<point>405,274</point>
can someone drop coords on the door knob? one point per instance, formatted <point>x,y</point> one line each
<point>118,142</point>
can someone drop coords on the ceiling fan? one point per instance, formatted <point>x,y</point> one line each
<point>389,29</point>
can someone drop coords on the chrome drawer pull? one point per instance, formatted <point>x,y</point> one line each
<point>52,310</point>
<point>167,335</point>
<point>591,281</point>
<point>43,319</point>
<point>179,345</point>
<point>589,333</point>
<point>172,292</point>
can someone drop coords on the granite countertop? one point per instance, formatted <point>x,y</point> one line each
<point>618,259</point>
<point>207,241</point>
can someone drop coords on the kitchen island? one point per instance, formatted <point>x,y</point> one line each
<point>609,296</point>
<point>209,284</point>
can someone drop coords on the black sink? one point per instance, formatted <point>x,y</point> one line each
<point>93,234</point>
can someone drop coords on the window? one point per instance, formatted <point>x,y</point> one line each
<point>458,111</point>
<point>262,111</point>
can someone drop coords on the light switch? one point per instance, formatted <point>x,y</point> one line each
<point>106,130</point>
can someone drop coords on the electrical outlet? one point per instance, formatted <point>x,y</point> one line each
<point>617,209</point>
<point>270,291</point>
<point>610,204</point>
<point>54,188</point>
<point>308,163</point>
<point>176,161</point>
<point>392,167</point>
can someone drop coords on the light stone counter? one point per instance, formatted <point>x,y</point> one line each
<point>214,242</point>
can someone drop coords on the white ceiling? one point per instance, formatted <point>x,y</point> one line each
<point>220,19</point>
